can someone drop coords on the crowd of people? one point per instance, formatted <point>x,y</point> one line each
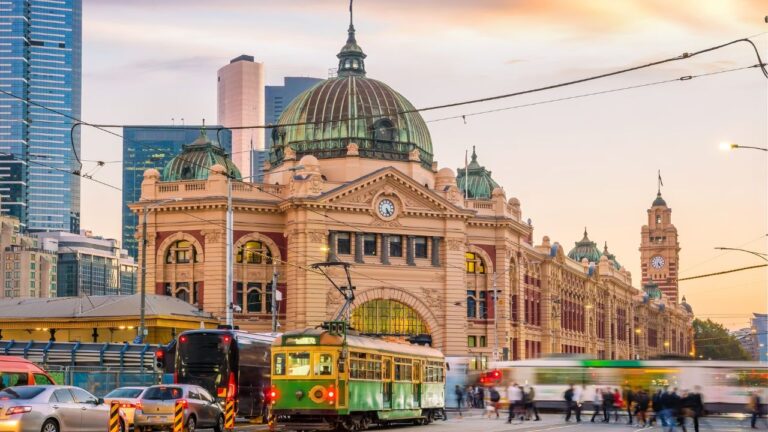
<point>668,407</point>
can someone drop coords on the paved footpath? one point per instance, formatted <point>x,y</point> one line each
<point>474,422</point>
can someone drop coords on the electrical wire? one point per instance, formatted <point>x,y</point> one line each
<point>722,272</point>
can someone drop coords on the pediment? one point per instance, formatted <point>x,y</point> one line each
<point>408,195</point>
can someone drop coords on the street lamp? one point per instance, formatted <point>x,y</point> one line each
<point>757,254</point>
<point>728,146</point>
<point>142,310</point>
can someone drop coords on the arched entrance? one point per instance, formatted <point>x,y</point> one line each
<point>382,317</point>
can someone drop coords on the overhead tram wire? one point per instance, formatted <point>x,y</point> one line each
<point>722,272</point>
<point>683,56</point>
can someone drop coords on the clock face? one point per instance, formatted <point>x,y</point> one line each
<point>386,208</point>
<point>657,262</point>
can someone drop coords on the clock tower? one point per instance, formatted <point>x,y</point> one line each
<point>660,250</point>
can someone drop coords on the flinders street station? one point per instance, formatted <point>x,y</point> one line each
<point>436,254</point>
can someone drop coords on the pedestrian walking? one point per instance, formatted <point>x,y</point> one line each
<point>480,395</point>
<point>607,404</point>
<point>597,403</point>
<point>529,400</point>
<point>642,401</point>
<point>618,404</point>
<point>694,405</point>
<point>656,407</point>
<point>629,397</point>
<point>515,396</point>
<point>569,402</point>
<point>755,408</point>
<point>495,402</point>
<point>459,398</point>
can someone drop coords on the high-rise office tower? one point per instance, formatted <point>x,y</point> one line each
<point>241,103</point>
<point>40,61</point>
<point>279,97</point>
<point>147,147</point>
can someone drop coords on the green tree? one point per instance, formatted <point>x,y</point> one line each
<point>714,342</point>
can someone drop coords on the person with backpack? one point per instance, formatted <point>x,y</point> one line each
<point>459,398</point>
<point>569,404</point>
<point>495,402</point>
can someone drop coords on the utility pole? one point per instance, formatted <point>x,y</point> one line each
<point>229,283</point>
<point>495,321</point>
<point>274,296</point>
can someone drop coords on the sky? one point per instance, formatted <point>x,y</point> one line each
<point>586,162</point>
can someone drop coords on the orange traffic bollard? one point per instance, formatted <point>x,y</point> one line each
<point>114,416</point>
<point>178,416</point>
<point>229,415</point>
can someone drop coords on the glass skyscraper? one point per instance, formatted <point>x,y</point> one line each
<point>276,99</point>
<point>147,147</point>
<point>40,61</point>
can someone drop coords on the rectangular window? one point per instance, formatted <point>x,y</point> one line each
<point>369,244</point>
<point>483,305</point>
<point>324,364</point>
<point>32,266</point>
<point>420,247</point>
<point>279,364</point>
<point>396,246</point>
<point>471,341</point>
<point>343,243</point>
<point>483,342</point>
<point>298,364</point>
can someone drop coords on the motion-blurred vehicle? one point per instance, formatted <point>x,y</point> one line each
<point>155,408</point>
<point>17,371</point>
<point>128,398</point>
<point>52,408</point>
<point>725,385</point>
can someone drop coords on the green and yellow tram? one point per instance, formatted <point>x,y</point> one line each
<point>329,380</point>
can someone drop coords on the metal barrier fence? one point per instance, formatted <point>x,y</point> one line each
<point>99,381</point>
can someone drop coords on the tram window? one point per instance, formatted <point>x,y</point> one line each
<point>298,364</point>
<point>324,365</point>
<point>279,364</point>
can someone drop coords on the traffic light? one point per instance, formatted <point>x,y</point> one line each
<point>160,359</point>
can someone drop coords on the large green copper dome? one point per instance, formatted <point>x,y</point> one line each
<point>196,160</point>
<point>351,108</point>
<point>585,248</point>
<point>475,180</point>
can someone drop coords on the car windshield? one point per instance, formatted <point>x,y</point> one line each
<point>13,393</point>
<point>163,393</point>
<point>129,393</point>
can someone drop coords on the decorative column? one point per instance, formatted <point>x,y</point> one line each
<point>385,249</point>
<point>409,256</point>
<point>359,248</point>
<point>436,251</point>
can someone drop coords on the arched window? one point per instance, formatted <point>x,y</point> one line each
<point>384,136</point>
<point>254,252</point>
<point>475,264</point>
<point>181,252</point>
<point>182,294</point>
<point>387,317</point>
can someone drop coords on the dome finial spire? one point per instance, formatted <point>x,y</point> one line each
<point>351,55</point>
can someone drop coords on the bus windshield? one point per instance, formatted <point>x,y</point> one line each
<point>204,360</point>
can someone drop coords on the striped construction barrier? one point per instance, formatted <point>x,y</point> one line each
<point>229,415</point>
<point>114,416</point>
<point>178,416</point>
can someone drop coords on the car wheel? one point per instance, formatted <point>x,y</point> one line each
<point>219,424</point>
<point>50,425</point>
<point>191,425</point>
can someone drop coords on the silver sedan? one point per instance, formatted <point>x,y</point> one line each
<point>51,409</point>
